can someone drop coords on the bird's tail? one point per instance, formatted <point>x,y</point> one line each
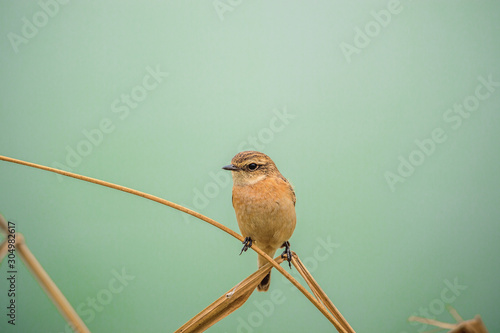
<point>266,281</point>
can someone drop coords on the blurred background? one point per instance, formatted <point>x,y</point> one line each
<point>384,115</point>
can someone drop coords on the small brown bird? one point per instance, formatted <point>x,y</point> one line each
<point>264,202</point>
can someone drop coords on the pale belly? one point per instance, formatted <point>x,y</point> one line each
<point>268,223</point>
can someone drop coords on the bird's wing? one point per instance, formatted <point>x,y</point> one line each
<point>294,198</point>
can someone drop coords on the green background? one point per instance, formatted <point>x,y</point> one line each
<point>271,76</point>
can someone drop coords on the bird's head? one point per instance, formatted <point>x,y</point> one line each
<point>249,167</point>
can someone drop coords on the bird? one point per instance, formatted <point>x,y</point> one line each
<point>264,204</point>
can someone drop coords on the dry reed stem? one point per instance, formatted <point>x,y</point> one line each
<point>45,281</point>
<point>3,249</point>
<point>223,306</point>
<point>475,325</point>
<point>227,303</point>
<point>454,314</point>
<point>4,228</point>
<point>432,322</point>
<point>320,293</point>
<point>308,295</point>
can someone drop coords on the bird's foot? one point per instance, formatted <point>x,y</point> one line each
<point>247,243</point>
<point>287,252</point>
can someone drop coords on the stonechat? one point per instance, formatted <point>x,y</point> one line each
<point>264,202</point>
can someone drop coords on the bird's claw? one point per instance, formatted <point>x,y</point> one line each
<point>247,243</point>
<point>287,252</point>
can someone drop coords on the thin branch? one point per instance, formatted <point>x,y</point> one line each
<point>3,249</point>
<point>454,314</point>
<point>227,303</point>
<point>43,278</point>
<point>50,287</point>
<point>320,293</point>
<point>432,322</point>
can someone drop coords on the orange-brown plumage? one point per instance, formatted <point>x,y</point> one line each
<point>264,202</point>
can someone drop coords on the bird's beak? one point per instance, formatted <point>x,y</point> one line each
<point>231,167</point>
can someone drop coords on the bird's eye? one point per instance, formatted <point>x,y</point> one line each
<point>252,166</point>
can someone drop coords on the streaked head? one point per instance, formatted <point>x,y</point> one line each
<point>249,167</point>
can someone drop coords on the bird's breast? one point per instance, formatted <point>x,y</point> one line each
<point>265,210</point>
